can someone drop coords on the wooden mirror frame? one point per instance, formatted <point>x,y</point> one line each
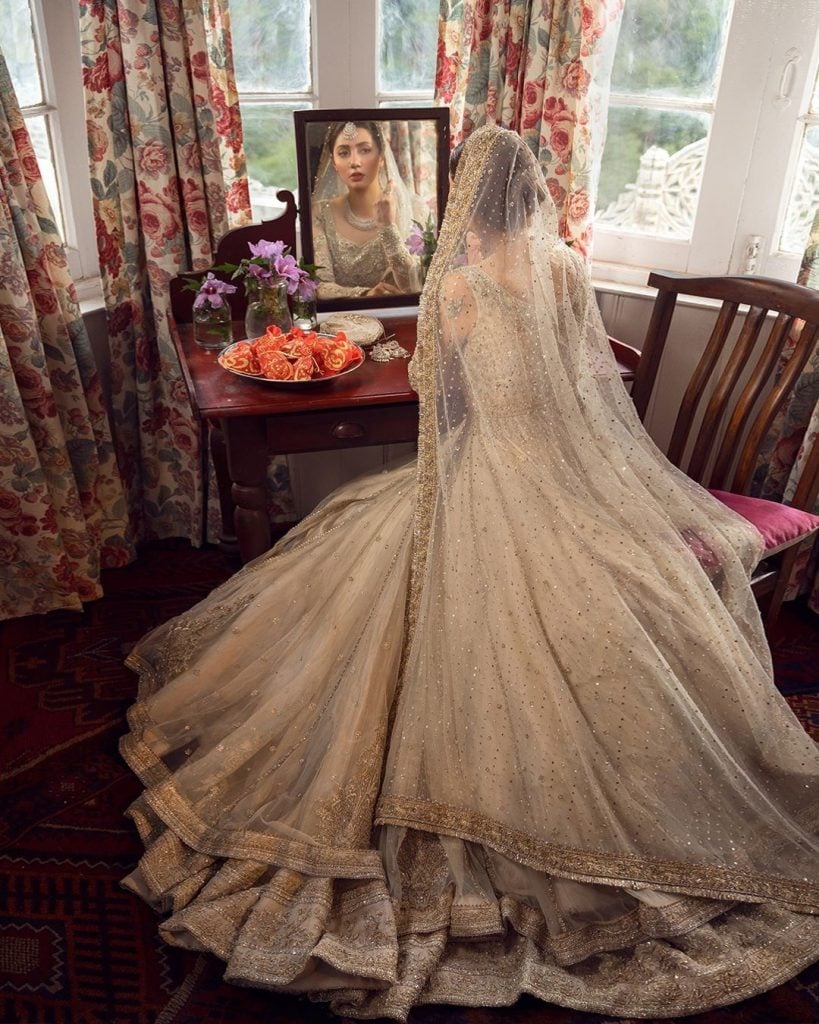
<point>303,118</point>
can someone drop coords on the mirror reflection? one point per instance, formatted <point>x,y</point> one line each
<point>370,181</point>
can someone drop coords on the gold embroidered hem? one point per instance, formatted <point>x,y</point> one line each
<point>337,940</point>
<point>497,973</point>
<point>705,880</point>
<point>185,825</point>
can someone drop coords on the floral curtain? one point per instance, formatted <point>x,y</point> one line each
<point>168,180</point>
<point>794,431</point>
<point>62,506</point>
<point>541,68</point>
<point>414,145</point>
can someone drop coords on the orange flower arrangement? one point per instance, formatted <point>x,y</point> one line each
<point>298,355</point>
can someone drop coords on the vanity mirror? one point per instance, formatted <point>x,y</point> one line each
<point>370,183</point>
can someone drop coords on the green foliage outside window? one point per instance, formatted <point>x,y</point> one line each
<point>666,49</point>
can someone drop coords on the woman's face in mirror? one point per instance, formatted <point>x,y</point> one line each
<point>356,159</point>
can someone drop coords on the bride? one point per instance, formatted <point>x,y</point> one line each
<point>362,213</point>
<point>485,725</point>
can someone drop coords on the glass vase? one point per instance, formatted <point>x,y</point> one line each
<point>304,313</point>
<point>266,305</point>
<point>212,326</point>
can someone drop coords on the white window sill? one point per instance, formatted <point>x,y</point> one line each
<point>613,279</point>
<point>89,294</point>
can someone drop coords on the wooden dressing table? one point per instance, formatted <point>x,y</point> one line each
<point>250,420</point>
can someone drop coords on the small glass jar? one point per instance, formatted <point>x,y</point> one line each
<point>266,306</point>
<point>305,315</point>
<point>212,326</point>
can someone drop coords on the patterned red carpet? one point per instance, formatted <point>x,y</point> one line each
<point>74,947</point>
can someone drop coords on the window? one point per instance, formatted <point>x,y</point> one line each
<point>290,55</point>
<point>43,68</point>
<point>803,194</point>
<point>272,56</point>
<point>407,43</point>
<point>709,164</point>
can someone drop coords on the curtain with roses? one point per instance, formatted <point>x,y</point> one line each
<point>415,147</point>
<point>541,68</point>
<point>793,433</point>
<point>62,505</point>
<point>168,180</point>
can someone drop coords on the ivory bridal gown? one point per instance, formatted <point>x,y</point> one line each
<point>500,721</point>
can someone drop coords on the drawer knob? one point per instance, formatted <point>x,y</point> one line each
<point>347,431</point>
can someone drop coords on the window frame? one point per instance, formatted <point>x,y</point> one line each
<point>755,136</point>
<point>754,140</point>
<point>55,23</point>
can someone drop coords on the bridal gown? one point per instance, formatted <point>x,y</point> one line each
<point>498,722</point>
<point>348,268</point>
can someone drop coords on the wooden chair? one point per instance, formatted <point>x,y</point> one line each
<point>730,403</point>
<point>627,358</point>
<point>232,249</point>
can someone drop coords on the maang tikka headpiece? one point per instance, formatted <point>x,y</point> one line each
<point>349,130</point>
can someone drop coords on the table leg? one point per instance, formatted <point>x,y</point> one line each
<point>218,452</point>
<point>246,448</point>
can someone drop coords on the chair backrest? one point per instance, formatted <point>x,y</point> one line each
<point>727,410</point>
<point>233,248</point>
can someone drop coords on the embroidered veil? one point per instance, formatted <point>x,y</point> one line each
<point>500,722</point>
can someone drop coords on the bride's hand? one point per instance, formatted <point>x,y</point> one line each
<point>382,288</point>
<point>384,208</point>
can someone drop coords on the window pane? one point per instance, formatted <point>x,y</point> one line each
<point>44,150</point>
<point>670,48</point>
<point>409,37</point>
<point>271,45</point>
<point>652,170</point>
<point>270,148</point>
<point>20,53</point>
<point>804,198</point>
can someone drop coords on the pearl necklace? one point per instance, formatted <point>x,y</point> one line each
<point>362,223</point>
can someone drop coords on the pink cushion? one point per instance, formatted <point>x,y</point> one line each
<point>777,523</point>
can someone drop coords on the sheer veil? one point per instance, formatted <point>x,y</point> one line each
<point>582,537</point>
<point>408,205</point>
<point>501,722</point>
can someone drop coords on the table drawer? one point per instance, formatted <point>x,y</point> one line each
<point>324,430</point>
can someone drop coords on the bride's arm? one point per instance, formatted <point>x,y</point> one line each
<point>400,261</point>
<point>457,315</point>
<point>457,308</point>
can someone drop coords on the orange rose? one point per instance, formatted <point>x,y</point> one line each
<point>336,358</point>
<point>295,348</point>
<point>319,347</point>
<point>276,366</point>
<point>303,368</point>
<point>241,357</point>
<point>269,343</point>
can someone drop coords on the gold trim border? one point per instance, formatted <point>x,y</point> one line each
<point>624,870</point>
<point>169,805</point>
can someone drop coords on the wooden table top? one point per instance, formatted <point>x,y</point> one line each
<point>218,393</point>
